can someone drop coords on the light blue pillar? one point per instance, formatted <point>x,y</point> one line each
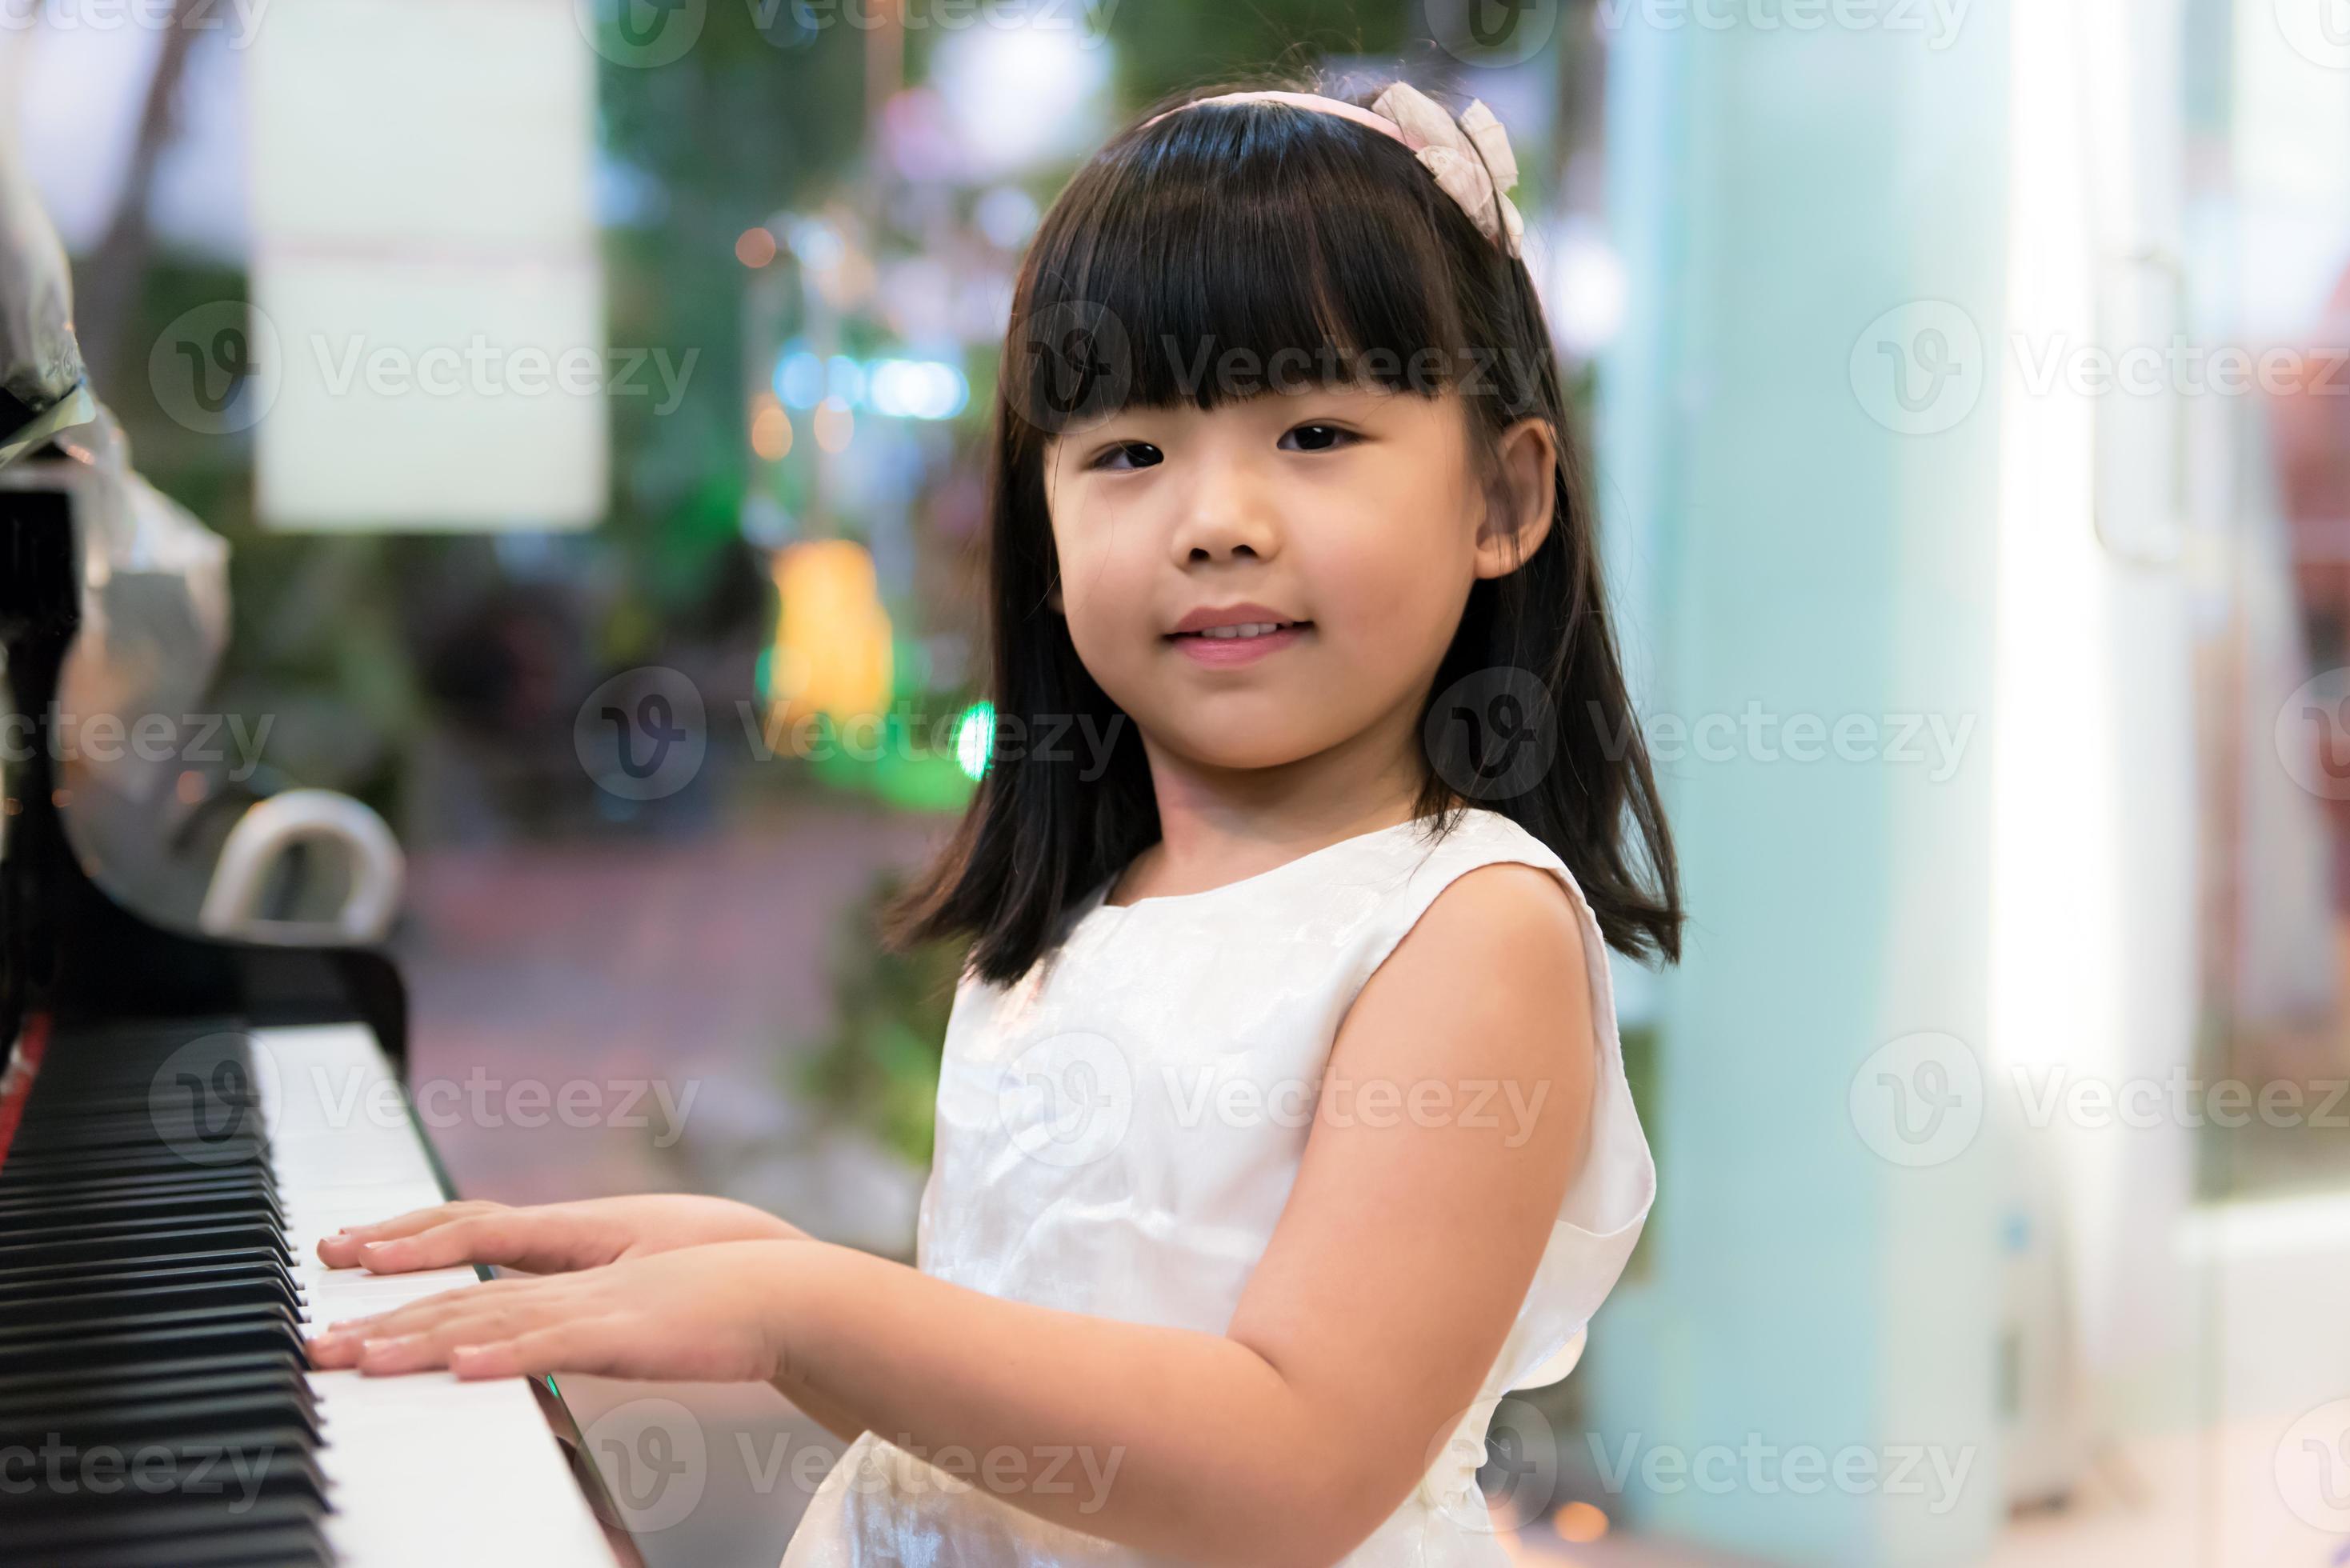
<point>1778,551</point>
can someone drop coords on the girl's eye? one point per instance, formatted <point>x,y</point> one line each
<point>1317,438</point>
<point>1130,454</point>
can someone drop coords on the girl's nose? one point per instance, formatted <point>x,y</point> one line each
<point>1227,511</point>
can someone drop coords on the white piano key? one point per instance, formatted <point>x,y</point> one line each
<point>424,1469</point>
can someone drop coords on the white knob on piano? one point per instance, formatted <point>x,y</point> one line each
<point>275,824</point>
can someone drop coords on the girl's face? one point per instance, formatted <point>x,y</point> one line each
<point>1356,514</point>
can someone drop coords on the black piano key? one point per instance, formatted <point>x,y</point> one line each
<point>128,1418</point>
<point>232,1186</point>
<point>272,1315</point>
<point>26,1281</point>
<point>272,1529</point>
<point>72,1304</point>
<point>28,1216</point>
<point>156,1184</point>
<point>135,1124</point>
<point>130,1246</point>
<point>215,1375</point>
<point>279,1546</point>
<point>284,1391</point>
<point>27,1169</point>
<point>175,1344</point>
<point>160,1266</point>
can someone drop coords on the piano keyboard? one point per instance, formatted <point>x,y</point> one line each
<point>158,1268</point>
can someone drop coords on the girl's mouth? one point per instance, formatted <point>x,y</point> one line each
<point>1229,645</point>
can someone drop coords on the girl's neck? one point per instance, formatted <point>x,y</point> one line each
<point>1200,851</point>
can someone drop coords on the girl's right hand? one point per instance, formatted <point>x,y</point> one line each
<point>551,1238</point>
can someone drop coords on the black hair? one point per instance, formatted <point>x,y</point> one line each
<point>1319,248</point>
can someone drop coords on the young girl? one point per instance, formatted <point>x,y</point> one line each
<point>1282,1124</point>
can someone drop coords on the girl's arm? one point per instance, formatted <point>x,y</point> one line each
<point>832,1417</point>
<point>1456,1107</point>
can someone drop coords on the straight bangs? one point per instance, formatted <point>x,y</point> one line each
<point>1229,250</point>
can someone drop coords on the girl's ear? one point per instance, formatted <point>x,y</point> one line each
<point>1521,505</point>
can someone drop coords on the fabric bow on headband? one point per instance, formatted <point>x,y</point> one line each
<point>1470,158</point>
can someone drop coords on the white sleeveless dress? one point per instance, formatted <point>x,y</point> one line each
<point>1118,1130</point>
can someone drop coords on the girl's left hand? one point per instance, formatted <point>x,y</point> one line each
<point>698,1315</point>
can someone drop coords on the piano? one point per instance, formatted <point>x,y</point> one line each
<point>181,1119</point>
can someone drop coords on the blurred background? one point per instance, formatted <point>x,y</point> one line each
<point>590,396</point>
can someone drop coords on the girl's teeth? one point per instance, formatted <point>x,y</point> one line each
<point>1253,629</point>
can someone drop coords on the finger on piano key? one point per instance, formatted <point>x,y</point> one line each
<point>341,1248</point>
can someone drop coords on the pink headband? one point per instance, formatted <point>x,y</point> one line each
<point>1471,159</point>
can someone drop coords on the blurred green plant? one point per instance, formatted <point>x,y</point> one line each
<point>1643,1076</point>
<point>878,1071</point>
<point>1163,48</point>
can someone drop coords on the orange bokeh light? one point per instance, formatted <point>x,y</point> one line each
<point>834,425</point>
<point>755,248</point>
<point>771,431</point>
<point>1580,1522</point>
